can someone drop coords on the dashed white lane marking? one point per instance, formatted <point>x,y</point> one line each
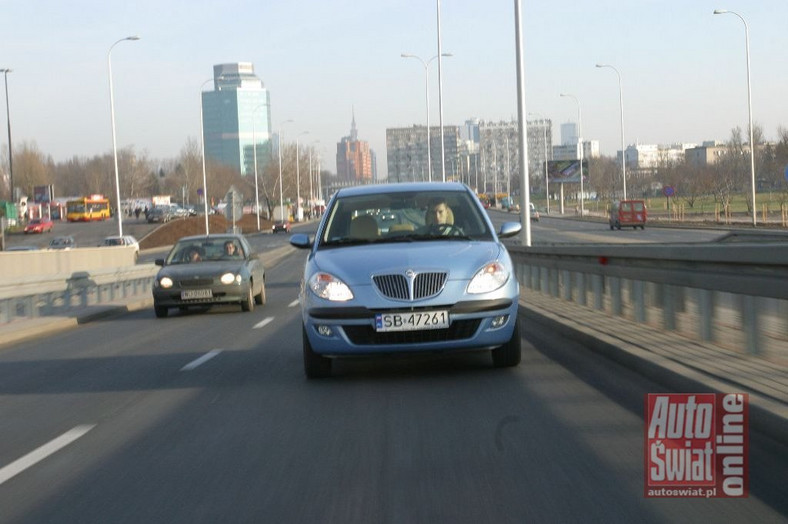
<point>39,454</point>
<point>263,323</point>
<point>294,303</point>
<point>202,360</point>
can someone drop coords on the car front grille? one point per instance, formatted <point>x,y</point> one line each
<point>367,336</point>
<point>409,286</point>
<point>197,282</point>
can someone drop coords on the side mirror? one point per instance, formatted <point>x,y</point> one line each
<point>509,229</point>
<point>300,240</point>
<point>159,262</point>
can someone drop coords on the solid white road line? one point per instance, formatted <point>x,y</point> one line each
<point>294,303</point>
<point>43,452</point>
<point>203,359</point>
<point>263,323</point>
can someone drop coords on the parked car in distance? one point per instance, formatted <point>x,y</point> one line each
<point>438,280</point>
<point>198,271</point>
<point>22,248</point>
<point>125,240</point>
<point>64,242</point>
<point>281,225</point>
<point>159,214</point>
<point>39,225</point>
<point>627,213</point>
<point>534,212</point>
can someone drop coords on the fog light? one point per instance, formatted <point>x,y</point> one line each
<point>499,321</point>
<point>325,331</point>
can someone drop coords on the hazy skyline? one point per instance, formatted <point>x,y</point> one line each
<point>683,68</point>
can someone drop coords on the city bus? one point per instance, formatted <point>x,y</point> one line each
<point>93,207</point>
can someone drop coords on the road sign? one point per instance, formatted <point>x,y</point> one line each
<point>668,191</point>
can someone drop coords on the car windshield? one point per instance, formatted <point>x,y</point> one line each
<point>204,250</point>
<point>404,217</point>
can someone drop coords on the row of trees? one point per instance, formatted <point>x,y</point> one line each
<point>729,175</point>
<point>142,177</point>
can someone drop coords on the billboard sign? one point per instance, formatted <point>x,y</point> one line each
<point>566,171</point>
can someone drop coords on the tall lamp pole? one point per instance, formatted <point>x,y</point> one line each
<point>202,152</point>
<point>279,150</point>
<point>621,111</point>
<point>298,178</point>
<point>580,144</point>
<point>118,211</point>
<point>749,107</point>
<point>427,97</point>
<point>254,148</point>
<point>440,93</point>
<point>546,182</point>
<point>10,153</point>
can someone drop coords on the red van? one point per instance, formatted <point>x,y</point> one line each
<point>628,213</point>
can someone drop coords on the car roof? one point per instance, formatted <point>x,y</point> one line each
<point>401,187</point>
<point>212,236</point>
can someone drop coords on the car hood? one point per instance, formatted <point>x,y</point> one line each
<point>201,269</point>
<point>355,264</point>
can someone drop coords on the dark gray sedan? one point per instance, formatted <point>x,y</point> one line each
<point>209,269</point>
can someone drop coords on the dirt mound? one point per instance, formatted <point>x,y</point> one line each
<point>169,233</point>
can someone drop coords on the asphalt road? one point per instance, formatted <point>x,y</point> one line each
<point>207,417</point>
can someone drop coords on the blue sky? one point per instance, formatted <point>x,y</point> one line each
<point>683,69</point>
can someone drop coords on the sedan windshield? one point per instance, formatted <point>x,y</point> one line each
<point>404,217</point>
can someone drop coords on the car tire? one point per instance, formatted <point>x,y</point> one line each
<point>161,312</point>
<point>260,297</point>
<point>509,354</point>
<point>247,304</point>
<point>315,365</point>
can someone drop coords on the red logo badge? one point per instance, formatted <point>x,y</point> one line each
<point>696,445</point>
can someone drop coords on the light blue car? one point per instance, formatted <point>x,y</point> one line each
<point>407,268</point>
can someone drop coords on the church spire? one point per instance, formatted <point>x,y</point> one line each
<point>353,130</point>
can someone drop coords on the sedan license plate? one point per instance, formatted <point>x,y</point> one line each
<point>414,321</point>
<point>191,294</point>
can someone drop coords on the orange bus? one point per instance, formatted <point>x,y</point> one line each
<point>93,207</point>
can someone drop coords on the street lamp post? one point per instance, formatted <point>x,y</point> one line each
<point>546,183</point>
<point>10,153</point>
<point>298,180</point>
<point>279,150</point>
<point>749,107</point>
<point>580,143</point>
<point>427,97</point>
<point>202,152</point>
<point>118,211</point>
<point>621,111</point>
<point>256,188</point>
<point>440,94</point>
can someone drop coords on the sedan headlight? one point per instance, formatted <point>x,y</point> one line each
<point>330,288</point>
<point>165,282</point>
<point>229,278</point>
<point>489,278</point>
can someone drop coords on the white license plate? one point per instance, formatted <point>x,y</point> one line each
<point>191,294</point>
<point>414,321</point>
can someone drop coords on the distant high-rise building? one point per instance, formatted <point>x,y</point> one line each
<point>237,118</point>
<point>406,153</point>
<point>355,160</point>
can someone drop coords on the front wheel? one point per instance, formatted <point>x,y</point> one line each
<point>509,354</point>
<point>260,297</point>
<point>161,312</point>
<point>315,365</point>
<point>247,304</point>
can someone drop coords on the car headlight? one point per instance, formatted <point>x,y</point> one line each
<point>165,282</point>
<point>329,287</point>
<point>489,278</point>
<point>229,278</point>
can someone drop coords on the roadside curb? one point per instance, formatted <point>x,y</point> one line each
<point>767,416</point>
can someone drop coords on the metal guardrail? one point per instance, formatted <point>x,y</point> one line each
<point>734,295</point>
<point>58,294</point>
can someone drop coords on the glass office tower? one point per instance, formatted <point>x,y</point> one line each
<point>237,118</point>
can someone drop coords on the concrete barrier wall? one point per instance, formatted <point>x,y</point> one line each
<point>15,265</point>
